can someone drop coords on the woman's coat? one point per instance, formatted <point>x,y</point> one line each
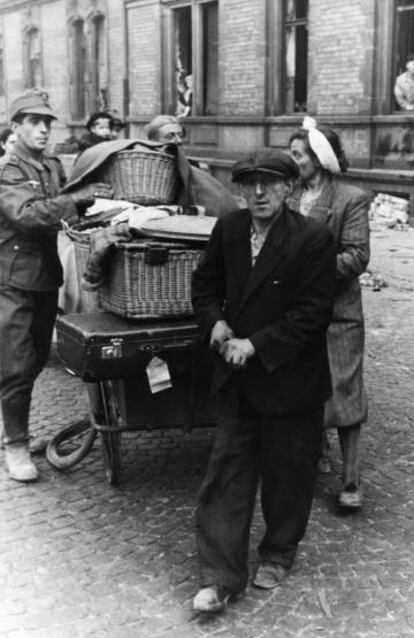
<point>343,208</point>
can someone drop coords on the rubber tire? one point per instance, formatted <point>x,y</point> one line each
<point>64,461</point>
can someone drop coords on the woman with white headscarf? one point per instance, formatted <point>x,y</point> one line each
<point>344,209</point>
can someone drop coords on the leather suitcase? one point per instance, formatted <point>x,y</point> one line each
<point>101,346</point>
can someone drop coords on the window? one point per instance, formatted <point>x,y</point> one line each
<point>183,59</point>
<point>2,78</point>
<point>296,55</point>
<point>78,69</point>
<point>403,49</point>
<point>99,89</point>
<point>32,58</point>
<point>195,58</point>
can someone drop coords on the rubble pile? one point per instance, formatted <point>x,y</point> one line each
<point>388,211</point>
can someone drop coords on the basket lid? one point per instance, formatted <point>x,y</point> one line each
<point>181,227</point>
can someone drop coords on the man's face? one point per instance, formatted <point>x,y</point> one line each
<point>264,194</point>
<point>171,133</point>
<point>33,131</point>
<point>102,128</point>
<point>410,67</point>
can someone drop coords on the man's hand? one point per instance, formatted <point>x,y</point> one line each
<point>87,194</point>
<point>220,333</point>
<point>236,352</point>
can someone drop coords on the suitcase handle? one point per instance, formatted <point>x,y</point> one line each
<point>153,348</point>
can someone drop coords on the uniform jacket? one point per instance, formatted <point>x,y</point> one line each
<point>283,305</point>
<point>30,213</point>
<point>343,209</point>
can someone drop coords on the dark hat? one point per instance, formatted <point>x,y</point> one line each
<point>272,162</point>
<point>33,101</point>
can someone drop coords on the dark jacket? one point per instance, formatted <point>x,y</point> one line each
<point>30,213</point>
<point>283,305</point>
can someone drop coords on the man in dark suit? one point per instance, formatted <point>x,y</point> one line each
<point>263,297</point>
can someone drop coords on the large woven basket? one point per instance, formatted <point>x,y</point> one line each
<point>143,177</point>
<point>148,280</point>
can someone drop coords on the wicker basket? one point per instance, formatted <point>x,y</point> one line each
<point>143,177</point>
<point>148,280</point>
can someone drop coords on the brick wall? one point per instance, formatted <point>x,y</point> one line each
<point>144,32</point>
<point>242,57</point>
<point>341,41</point>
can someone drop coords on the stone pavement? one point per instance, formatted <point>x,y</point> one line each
<point>81,559</point>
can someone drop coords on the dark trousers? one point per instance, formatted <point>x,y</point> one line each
<point>283,452</point>
<point>26,327</point>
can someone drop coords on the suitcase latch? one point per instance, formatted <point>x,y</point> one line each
<point>114,351</point>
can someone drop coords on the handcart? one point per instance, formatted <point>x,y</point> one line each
<point>111,355</point>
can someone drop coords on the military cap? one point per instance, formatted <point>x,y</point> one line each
<point>33,101</point>
<point>271,161</point>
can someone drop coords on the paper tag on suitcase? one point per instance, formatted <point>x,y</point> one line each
<point>158,374</point>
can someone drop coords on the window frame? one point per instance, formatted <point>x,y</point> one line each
<point>77,88</point>
<point>197,46</point>
<point>29,79</point>
<point>293,23</point>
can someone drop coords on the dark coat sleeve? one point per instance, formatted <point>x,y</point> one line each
<point>301,328</point>
<point>208,284</point>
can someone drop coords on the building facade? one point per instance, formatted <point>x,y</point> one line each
<point>243,73</point>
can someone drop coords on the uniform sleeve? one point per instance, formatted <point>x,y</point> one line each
<point>23,204</point>
<point>353,247</point>
<point>302,326</point>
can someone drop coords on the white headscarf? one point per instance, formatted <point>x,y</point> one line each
<point>320,146</point>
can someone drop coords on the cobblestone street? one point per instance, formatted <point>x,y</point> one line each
<point>81,559</point>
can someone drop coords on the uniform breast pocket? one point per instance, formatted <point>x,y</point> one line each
<point>25,267</point>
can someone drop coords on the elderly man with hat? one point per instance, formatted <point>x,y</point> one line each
<point>263,297</point>
<point>31,211</point>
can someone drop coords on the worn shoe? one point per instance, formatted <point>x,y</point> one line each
<point>350,499</point>
<point>212,599</point>
<point>19,464</point>
<point>269,575</point>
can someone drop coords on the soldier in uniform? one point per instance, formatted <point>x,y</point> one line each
<point>31,210</point>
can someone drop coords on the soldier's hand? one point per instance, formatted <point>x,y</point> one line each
<point>220,333</point>
<point>87,194</point>
<point>236,352</point>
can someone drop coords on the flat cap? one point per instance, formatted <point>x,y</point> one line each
<point>33,101</point>
<point>270,161</point>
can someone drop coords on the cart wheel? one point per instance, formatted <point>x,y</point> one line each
<point>110,441</point>
<point>71,445</point>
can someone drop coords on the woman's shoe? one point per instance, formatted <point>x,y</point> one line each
<point>350,498</point>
